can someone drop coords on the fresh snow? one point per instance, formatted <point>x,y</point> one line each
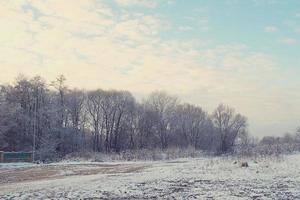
<point>16,165</point>
<point>202,178</point>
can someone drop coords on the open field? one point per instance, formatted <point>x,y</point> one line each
<point>202,178</point>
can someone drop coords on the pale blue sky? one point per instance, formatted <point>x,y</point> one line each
<point>234,22</point>
<point>245,53</point>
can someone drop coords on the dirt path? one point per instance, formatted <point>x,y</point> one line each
<point>10,176</point>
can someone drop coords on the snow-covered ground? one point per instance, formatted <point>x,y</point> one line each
<point>202,178</point>
<point>15,165</point>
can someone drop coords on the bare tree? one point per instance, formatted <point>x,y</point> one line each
<point>125,103</point>
<point>60,85</point>
<point>189,122</point>
<point>74,104</point>
<point>147,125</point>
<point>164,106</point>
<point>229,125</point>
<point>95,109</point>
<point>297,135</point>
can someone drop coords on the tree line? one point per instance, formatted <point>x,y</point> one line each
<point>55,120</point>
<point>288,143</point>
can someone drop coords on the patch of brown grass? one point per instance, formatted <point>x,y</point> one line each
<point>61,171</point>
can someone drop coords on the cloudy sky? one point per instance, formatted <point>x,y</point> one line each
<point>245,53</point>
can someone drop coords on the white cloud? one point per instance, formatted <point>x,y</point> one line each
<point>199,19</point>
<point>185,28</point>
<point>289,41</point>
<point>171,2</point>
<point>297,30</point>
<point>266,2</point>
<point>270,29</point>
<point>96,47</point>
<point>145,3</point>
<point>138,28</point>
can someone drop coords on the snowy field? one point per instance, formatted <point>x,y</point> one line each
<point>203,178</point>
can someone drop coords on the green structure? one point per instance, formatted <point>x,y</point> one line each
<point>16,157</point>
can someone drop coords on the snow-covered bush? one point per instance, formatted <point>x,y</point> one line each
<point>134,155</point>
